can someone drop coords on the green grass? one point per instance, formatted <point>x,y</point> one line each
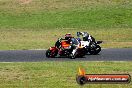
<point>117,16</point>
<point>43,39</point>
<point>58,74</point>
<point>38,24</point>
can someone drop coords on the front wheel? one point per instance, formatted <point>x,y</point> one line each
<point>50,53</point>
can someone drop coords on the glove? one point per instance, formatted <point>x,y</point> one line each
<point>59,39</point>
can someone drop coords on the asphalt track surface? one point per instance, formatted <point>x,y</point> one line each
<point>39,56</point>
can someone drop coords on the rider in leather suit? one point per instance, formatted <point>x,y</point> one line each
<point>86,36</point>
<point>73,43</point>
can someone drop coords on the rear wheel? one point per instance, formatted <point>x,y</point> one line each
<point>81,52</point>
<point>95,51</point>
<point>92,51</point>
<point>72,56</point>
<point>98,49</point>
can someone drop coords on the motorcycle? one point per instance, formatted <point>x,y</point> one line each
<point>93,48</point>
<point>63,48</point>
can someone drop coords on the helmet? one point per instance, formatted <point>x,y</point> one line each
<point>68,36</point>
<point>85,34</point>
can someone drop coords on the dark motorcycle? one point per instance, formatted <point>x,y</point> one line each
<point>62,49</point>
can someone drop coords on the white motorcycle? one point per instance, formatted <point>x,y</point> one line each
<point>90,47</point>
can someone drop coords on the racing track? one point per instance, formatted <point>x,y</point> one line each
<point>39,55</point>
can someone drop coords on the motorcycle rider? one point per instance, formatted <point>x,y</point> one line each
<point>73,44</point>
<point>86,37</point>
<point>70,40</point>
<point>67,37</point>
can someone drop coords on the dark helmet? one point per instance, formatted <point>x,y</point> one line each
<point>68,36</point>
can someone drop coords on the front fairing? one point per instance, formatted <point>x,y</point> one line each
<point>53,48</point>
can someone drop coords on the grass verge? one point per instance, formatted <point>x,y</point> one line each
<point>42,39</point>
<point>38,23</point>
<point>58,74</point>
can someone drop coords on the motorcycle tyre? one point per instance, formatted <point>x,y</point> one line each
<point>48,54</point>
<point>95,51</point>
